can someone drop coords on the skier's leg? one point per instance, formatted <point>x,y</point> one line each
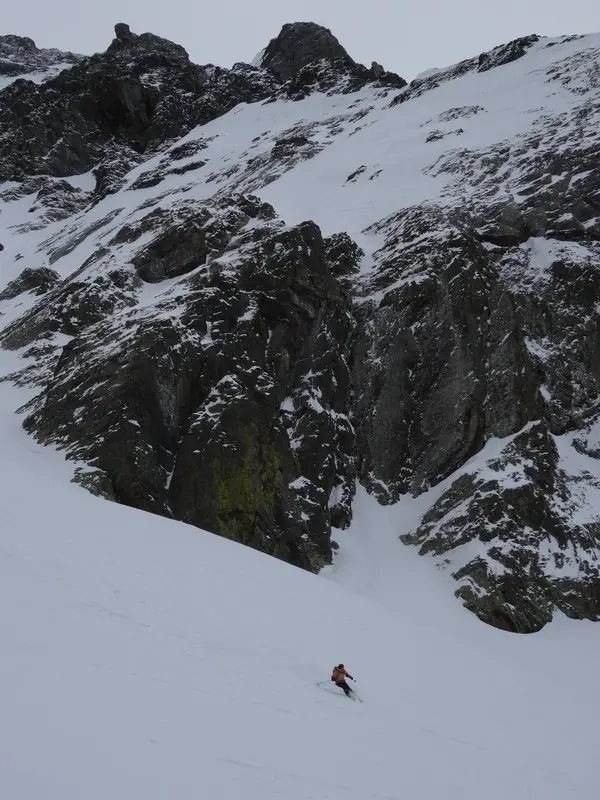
<point>343,685</point>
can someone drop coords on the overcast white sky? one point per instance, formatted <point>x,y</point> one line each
<point>406,37</point>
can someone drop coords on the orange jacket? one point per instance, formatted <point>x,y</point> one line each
<point>339,675</point>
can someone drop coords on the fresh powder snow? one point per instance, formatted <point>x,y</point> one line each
<point>145,658</point>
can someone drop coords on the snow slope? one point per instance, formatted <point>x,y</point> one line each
<point>365,157</point>
<point>143,658</point>
<point>38,76</point>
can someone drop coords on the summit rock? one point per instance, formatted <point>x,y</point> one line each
<point>300,44</point>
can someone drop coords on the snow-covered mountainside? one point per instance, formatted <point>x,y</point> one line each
<point>235,294</point>
<point>143,658</point>
<point>20,58</point>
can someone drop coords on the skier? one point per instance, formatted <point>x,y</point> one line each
<point>339,675</point>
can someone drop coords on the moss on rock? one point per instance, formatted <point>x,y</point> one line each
<point>246,486</point>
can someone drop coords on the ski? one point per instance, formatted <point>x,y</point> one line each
<point>327,688</point>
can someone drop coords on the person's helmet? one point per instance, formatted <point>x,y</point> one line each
<point>340,666</point>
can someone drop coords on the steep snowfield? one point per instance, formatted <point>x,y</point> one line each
<point>144,658</point>
<point>402,155</point>
<point>363,158</point>
<point>37,76</point>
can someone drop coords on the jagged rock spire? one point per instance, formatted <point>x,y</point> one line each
<point>123,34</point>
<point>299,44</point>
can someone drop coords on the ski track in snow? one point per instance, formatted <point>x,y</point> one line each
<point>142,658</point>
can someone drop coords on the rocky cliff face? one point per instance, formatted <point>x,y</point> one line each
<point>20,58</point>
<point>236,292</point>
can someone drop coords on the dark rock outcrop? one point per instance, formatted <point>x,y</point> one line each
<point>37,281</point>
<point>20,56</point>
<point>424,357</point>
<point>300,44</point>
<point>307,57</point>
<point>143,91</point>
<point>227,407</point>
<point>123,37</point>
<point>228,370</point>
<point>488,323</point>
<point>474,342</point>
<point>534,557</point>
